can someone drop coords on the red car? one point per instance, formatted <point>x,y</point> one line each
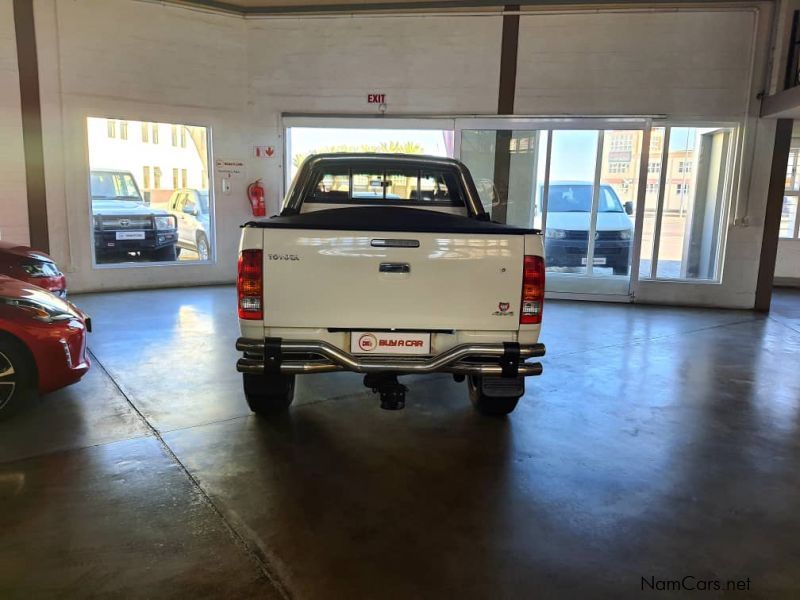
<point>42,343</point>
<point>27,264</point>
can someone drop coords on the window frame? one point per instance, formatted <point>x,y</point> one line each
<point>207,175</point>
<point>731,184</point>
<point>794,153</point>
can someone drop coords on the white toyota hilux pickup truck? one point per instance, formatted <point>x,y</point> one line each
<point>388,265</point>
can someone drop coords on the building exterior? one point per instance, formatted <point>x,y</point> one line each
<point>620,168</point>
<point>161,156</point>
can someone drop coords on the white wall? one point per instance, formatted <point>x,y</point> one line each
<point>13,191</point>
<point>142,62</point>
<point>238,76</point>
<point>681,64</point>
<point>174,65</point>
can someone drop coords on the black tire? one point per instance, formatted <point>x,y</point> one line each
<point>621,269</point>
<point>268,394</point>
<point>489,405</point>
<point>203,249</point>
<point>17,376</point>
<point>178,251</point>
<point>165,254</point>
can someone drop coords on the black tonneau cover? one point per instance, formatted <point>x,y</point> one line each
<point>387,218</point>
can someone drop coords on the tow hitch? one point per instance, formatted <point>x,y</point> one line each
<point>393,393</point>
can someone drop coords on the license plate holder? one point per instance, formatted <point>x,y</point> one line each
<point>597,261</point>
<point>130,235</point>
<point>390,342</point>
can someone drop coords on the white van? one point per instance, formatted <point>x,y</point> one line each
<point>569,207</point>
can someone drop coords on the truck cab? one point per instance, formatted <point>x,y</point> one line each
<point>388,265</point>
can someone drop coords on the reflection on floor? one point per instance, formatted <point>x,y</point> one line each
<point>658,443</point>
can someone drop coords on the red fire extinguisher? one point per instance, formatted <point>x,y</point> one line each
<point>255,192</point>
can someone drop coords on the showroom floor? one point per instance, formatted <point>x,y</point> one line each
<point>659,442</point>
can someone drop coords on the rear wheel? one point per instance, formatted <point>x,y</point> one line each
<point>17,377</point>
<point>486,404</point>
<point>268,394</point>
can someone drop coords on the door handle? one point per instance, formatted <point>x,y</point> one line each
<point>395,268</point>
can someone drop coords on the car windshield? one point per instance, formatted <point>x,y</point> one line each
<point>203,196</point>
<point>564,197</point>
<point>114,186</point>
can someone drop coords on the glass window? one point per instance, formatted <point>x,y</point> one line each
<point>573,165</point>
<point>694,202</point>
<point>393,186</point>
<point>788,217</point>
<point>123,130</point>
<point>789,226</point>
<point>134,218</point>
<point>304,141</point>
<point>111,128</point>
<point>508,169</point>
<point>651,200</point>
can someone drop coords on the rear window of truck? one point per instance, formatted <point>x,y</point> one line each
<point>406,186</point>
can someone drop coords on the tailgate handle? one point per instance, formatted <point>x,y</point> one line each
<point>384,243</point>
<point>395,268</point>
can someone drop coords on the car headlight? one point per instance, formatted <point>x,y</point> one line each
<point>167,222</point>
<point>38,310</point>
<point>41,269</point>
<point>625,234</point>
<point>555,234</point>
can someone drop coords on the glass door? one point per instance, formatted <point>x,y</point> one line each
<point>508,167</point>
<point>578,180</point>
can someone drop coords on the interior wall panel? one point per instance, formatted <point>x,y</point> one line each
<point>682,64</point>
<point>13,190</point>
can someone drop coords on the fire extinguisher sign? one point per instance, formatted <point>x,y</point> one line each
<point>264,151</point>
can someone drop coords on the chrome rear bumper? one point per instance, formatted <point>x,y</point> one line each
<point>294,357</point>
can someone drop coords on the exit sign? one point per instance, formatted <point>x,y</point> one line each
<point>376,98</point>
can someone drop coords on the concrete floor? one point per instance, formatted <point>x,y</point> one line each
<point>658,443</point>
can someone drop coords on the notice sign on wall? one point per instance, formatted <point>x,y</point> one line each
<point>229,168</point>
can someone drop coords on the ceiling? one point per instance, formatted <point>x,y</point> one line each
<point>264,7</point>
<point>273,7</point>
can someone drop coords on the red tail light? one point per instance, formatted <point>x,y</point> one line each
<point>532,290</point>
<point>250,285</point>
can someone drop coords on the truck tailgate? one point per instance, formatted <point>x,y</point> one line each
<point>392,279</point>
